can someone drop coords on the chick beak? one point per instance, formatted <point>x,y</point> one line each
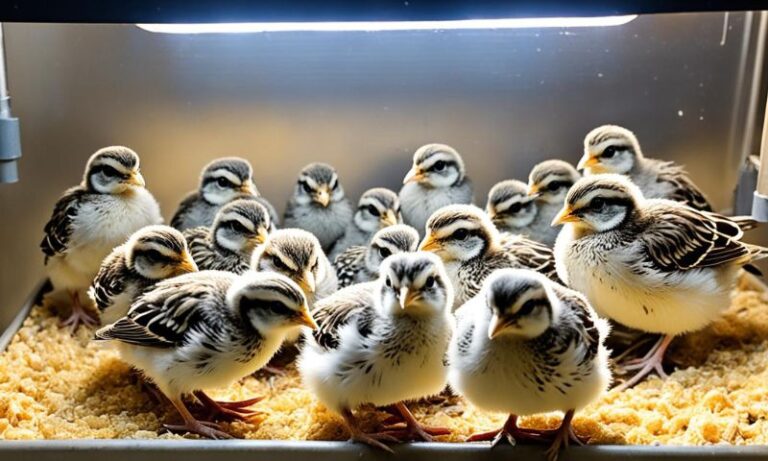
<point>564,216</point>
<point>248,188</point>
<point>533,190</point>
<point>188,264</point>
<point>587,161</point>
<point>413,175</point>
<point>388,218</point>
<point>136,179</point>
<point>323,196</point>
<point>261,237</point>
<point>495,327</point>
<point>305,319</point>
<point>308,282</point>
<point>429,244</point>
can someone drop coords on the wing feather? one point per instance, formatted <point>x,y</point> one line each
<point>352,304</point>
<point>58,229</point>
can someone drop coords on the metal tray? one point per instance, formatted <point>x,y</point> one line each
<point>236,450</point>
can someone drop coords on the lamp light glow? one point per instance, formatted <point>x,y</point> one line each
<point>376,26</point>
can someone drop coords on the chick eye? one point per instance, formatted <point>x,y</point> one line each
<point>335,184</point>
<point>236,226</point>
<point>515,208</point>
<point>278,308</point>
<point>597,203</point>
<point>609,152</point>
<point>430,282</point>
<point>224,183</point>
<point>438,166</point>
<point>388,282</point>
<point>279,265</point>
<point>460,234</point>
<point>153,256</point>
<point>384,252</point>
<point>527,307</point>
<point>372,210</point>
<point>306,187</point>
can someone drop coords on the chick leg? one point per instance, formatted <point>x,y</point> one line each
<point>227,410</point>
<point>356,435</point>
<point>204,428</point>
<point>413,429</point>
<point>79,315</point>
<point>563,436</point>
<point>510,432</point>
<point>647,365</point>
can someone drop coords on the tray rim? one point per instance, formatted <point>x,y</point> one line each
<point>208,449</point>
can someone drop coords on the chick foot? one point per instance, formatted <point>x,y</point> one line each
<point>413,430</point>
<point>512,433</point>
<point>78,316</point>
<point>562,437</point>
<point>194,426</point>
<point>375,440</point>
<point>653,361</point>
<point>227,411</point>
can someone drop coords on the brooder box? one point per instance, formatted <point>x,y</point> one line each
<point>506,94</point>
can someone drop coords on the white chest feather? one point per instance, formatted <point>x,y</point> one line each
<point>621,287</point>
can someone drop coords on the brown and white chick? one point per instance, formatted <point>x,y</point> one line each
<point>90,220</point>
<point>654,265</point>
<point>548,184</point>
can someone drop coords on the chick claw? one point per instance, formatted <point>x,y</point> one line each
<point>228,411</point>
<point>204,428</point>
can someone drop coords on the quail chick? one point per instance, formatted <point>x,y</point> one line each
<point>206,330</point>
<point>91,219</point>
<point>377,209</point>
<point>471,248</point>
<point>613,149</point>
<point>655,265</point>
<point>221,181</point>
<point>151,254</point>
<point>239,227</point>
<point>527,345</point>
<point>361,263</point>
<point>318,205</point>
<point>548,183</point>
<point>510,207</point>
<point>436,179</point>
<point>297,255</point>
<point>382,343</point>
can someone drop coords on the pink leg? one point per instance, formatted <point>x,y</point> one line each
<point>413,430</point>
<point>563,436</point>
<point>375,440</point>
<point>78,316</point>
<point>227,411</point>
<point>649,364</point>
<point>510,432</point>
<point>192,425</point>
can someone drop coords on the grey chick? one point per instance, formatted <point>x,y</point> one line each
<point>613,149</point>
<point>548,183</point>
<point>222,181</point>
<point>240,226</point>
<point>151,254</point>
<point>377,209</point>
<point>361,263</point>
<point>297,254</point>
<point>436,179</point>
<point>91,219</point>
<point>318,205</point>
<point>510,207</point>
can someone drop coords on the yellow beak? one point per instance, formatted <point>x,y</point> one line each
<point>261,237</point>
<point>305,319</point>
<point>413,175</point>
<point>495,327</point>
<point>587,161</point>
<point>307,282</point>
<point>248,187</point>
<point>533,189</point>
<point>564,216</point>
<point>429,244</point>
<point>136,179</point>
<point>188,264</point>
<point>406,297</point>
<point>323,196</point>
<point>388,218</point>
